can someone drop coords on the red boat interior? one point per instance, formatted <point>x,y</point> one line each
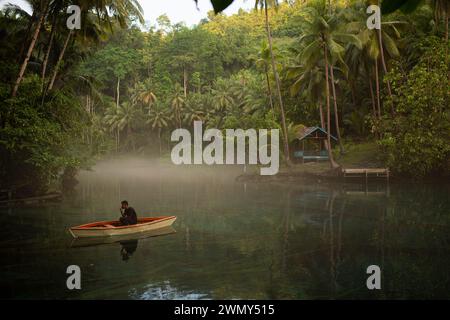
<point>116,223</point>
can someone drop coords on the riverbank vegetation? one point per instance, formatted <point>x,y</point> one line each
<point>117,87</point>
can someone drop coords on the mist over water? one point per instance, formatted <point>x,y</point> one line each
<point>238,240</point>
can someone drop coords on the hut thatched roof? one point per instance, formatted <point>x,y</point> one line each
<point>313,133</point>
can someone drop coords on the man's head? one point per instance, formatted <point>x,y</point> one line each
<point>124,204</point>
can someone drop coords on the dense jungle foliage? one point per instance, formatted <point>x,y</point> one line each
<point>115,86</point>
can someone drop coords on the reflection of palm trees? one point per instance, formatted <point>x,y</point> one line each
<point>188,239</point>
<point>334,240</point>
<point>332,248</point>
<point>286,218</point>
<point>339,243</point>
<point>383,210</point>
<point>271,290</point>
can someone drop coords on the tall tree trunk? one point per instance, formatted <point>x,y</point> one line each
<point>372,96</point>
<point>118,92</point>
<point>185,81</point>
<point>160,144</point>
<point>336,115</point>
<point>118,140</point>
<point>269,89</point>
<point>45,62</point>
<point>333,164</point>
<point>117,106</point>
<point>377,82</point>
<point>47,53</point>
<point>91,105</point>
<point>447,12</point>
<point>322,120</point>
<point>20,56</point>
<point>30,51</point>
<point>129,136</point>
<point>352,90</point>
<point>277,80</point>
<point>383,61</point>
<point>322,123</point>
<point>58,63</point>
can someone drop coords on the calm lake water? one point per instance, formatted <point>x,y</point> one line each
<point>233,240</point>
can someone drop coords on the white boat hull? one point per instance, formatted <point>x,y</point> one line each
<point>85,231</point>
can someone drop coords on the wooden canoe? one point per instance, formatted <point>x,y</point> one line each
<point>96,241</point>
<point>115,228</point>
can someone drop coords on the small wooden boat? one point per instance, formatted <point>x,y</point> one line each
<point>96,241</point>
<point>115,228</point>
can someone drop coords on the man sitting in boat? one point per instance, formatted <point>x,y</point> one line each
<point>128,214</point>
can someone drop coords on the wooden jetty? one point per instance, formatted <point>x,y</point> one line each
<point>366,173</point>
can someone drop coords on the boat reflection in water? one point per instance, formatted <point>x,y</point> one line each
<point>128,242</point>
<point>128,248</point>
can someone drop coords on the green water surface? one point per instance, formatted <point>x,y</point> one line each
<point>233,240</point>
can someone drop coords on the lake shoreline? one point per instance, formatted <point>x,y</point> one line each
<point>317,172</point>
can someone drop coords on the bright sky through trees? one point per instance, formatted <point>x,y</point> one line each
<point>176,10</point>
<point>185,10</point>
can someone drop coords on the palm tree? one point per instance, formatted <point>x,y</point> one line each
<point>158,119</point>
<point>381,35</point>
<point>323,40</point>
<point>336,115</point>
<point>264,4</point>
<point>119,118</point>
<point>93,30</point>
<point>196,109</point>
<point>40,9</point>
<point>60,58</point>
<point>442,9</point>
<point>194,113</point>
<point>177,103</point>
<point>142,92</point>
<point>327,93</point>
<point>147,95</point>
<point>309,80</point>
<point>374,44</point>
<point>223,99</point>
<point>263,61</point>
<point>54,13</point>
<point>121,11</point>
<point>336,39</point>
<point>111,119</point>
<point>127,115</point>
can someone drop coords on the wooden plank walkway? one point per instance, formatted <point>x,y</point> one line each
<point>366,173</point>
